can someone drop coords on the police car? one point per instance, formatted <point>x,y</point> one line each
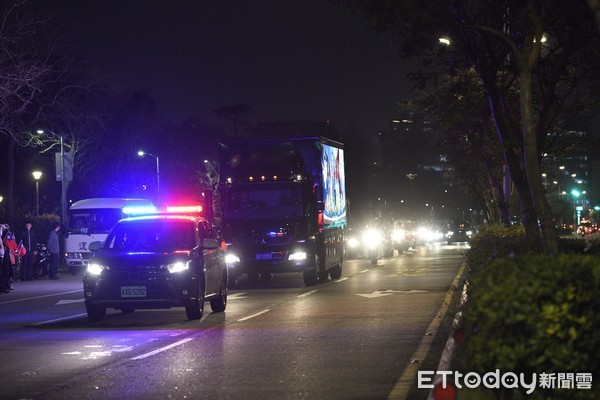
<point>157,261</point>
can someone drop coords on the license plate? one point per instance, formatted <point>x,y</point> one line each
<point>133,291</point>
<point>264,256</point>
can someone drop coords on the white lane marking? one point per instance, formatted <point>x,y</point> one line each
<point>363,271</point>
<point>253,315</point>
<point>404,383</point>
<point>303,295</point>
<point>236,296</point>
<point>341,279</point>
<point>388,292</point>
<point>40,297</point>
<point>60,319</point>
<point>162,349</point>
<point>61,302</point>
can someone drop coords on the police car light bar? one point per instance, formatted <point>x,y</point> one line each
<point>184,209</point>
<point>133,210</point>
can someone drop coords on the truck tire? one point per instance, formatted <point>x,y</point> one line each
<point>310,276</point>
<point>336,272</point>
<point>253,277</point>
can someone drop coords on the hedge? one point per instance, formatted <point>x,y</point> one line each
<point>533,314</point>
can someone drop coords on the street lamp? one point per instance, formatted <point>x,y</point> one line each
<point>142,153</point>
<point>37,175</point>
<point>63,178</point>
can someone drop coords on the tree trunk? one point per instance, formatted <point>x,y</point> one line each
<point>549,237</point>
<point>528,211</point>
<point>10,180</point>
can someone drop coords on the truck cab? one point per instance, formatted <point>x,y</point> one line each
<point>276,217</point>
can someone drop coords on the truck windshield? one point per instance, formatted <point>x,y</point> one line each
<point>90,221</point>
<point>263,201</point>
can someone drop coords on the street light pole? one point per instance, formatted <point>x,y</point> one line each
<point>142,153</point>
<point>63,181</point>
<point>37,175</point>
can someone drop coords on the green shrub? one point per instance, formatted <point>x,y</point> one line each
<point>496,241</point>
<point>534,314</point>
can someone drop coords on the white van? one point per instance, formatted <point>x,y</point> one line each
<point>90,220</point>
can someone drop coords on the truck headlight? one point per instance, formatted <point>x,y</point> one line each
<point>231,259</point>
<point>178,266</point>
<point>297,256</point>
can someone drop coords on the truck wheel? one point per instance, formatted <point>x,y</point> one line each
<point>95,313</point>
<point>336,272</point>
<point>253,277</point>
<point>195,308</point>
<point>310,276</point>
<point>266,276</point>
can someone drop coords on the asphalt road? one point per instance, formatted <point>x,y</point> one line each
<point>353,338</point>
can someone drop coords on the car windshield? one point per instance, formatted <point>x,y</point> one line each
<point>263,201</point>
<point>93,220</point>
<point>152,235</point>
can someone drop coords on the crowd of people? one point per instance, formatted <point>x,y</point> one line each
<point>18,256</point>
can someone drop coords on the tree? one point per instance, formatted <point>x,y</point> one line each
<point>457,122</point>
<point>26,65</point>
<point>503,41</point>
<point>233,113</point>
<point>42,87</point>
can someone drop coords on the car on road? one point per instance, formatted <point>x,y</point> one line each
<point>460,233</point>
<point>158,261</point>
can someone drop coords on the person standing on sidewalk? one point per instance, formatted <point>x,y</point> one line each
<point>54,250</point>
<point>4,262</point>
<point>29,241</point>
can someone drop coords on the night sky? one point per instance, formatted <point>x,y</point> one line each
<point>287,60</point>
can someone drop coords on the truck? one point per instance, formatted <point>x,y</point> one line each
<point>283,207</point>
<point>90,220</point>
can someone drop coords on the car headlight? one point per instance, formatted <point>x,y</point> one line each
<point>178,266</point>
<point>353,243</point>
<point>398,234</point>
<point>231,259</point>
<point>469,233</point>
<point>95,269</point>
<point>297,256</point>
<point>372,238</point>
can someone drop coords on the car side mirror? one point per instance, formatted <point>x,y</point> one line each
<point>210,243</point>
<point>95,246</point>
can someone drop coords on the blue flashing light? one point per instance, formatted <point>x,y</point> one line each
<point>138,210</point>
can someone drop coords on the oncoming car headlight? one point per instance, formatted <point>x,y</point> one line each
<point>353,242</point>
<point>95,269</point>
<point>372,238</point>
<point>398,234</point>
<point>178,266</point>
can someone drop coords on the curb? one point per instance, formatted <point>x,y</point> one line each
<point>448,353</point>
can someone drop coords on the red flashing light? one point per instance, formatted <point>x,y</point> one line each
<point>184,209</point>
<point>444,392</point>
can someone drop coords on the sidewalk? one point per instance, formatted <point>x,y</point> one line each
<point>44,286</point>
